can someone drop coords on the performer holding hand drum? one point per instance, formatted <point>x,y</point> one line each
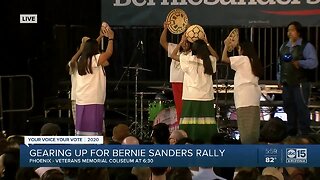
<point>247,92</point>
<point>91,86</point>
<point>198,116</point>
<point>176,22</point>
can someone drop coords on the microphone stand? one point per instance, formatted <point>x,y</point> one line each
<point>220,119</point>
<point>227,85</point>
<point>126,71</point>
<point>218,116</point>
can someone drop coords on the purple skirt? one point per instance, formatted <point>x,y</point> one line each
<point>89,117</point>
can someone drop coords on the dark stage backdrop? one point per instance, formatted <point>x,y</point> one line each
<point>42,50</point>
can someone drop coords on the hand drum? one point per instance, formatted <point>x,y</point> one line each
<point>177,21</point>
<point>234,39</point>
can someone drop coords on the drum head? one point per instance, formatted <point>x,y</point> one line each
<point>234,39</point>
<point>156,107</point>
<point>167,116</point>
<point>194,33</point>
<point>177,21</point>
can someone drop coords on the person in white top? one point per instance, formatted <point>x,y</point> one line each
<point>198,116</point>
<point>72,65</point>
<point>91,86</point>
<point>176,74</point>
<point>247,92</point>
<point>72,68</point>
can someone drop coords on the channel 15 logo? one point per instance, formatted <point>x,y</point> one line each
<point>296,155</point>
<point>28,18</point>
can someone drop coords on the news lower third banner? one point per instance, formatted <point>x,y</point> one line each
<point>89,155</point>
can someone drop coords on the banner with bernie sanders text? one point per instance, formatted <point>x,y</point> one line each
<point>248,13</point>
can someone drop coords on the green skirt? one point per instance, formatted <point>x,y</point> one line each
<point>198,120</point>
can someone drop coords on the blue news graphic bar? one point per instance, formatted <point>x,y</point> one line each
<point>169,155</point>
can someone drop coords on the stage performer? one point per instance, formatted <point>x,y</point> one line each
<point>198,116</point>
<point>247,91</point>
<point>296,62</point>
<point>91,85</point>
<point>176,74</point>
<point>72,68</point>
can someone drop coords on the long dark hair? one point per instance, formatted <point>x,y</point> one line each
<point>249,50</point>
<point>90,49</point>
<point>200,49</point>
<point>298,27</point>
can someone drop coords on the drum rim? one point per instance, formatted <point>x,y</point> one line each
<point>170,25</point>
